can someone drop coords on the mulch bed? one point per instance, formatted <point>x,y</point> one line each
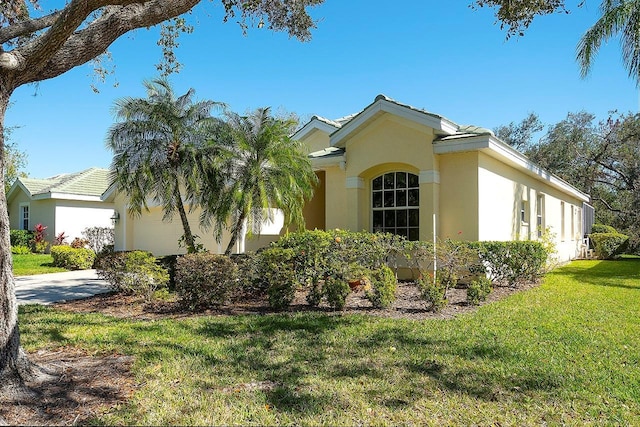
<point>89,385</point>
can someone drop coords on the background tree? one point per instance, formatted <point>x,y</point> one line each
<point>520,135</point>
<point>36,46</point>
<point>160,146</point>
<point>263,169</point>
<point>14,163</point>
<point>619,17</point>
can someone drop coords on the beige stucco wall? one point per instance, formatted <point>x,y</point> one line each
<point>502,189</point>
<point>459,196</point>
<point>335,198</point>
<point>317,140</point>
<point>314,211</point>
<point>150,233</point>
<point>13,206</point>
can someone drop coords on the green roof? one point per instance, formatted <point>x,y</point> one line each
<point>89,182</point>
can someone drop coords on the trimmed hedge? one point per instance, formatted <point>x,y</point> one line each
<point>609,245</point>
<point>512,262</point>
<point>601,228</point>
<point>134,272</point>
<point>204,280</point>
<point>21,237</point>
<point>72,258</point>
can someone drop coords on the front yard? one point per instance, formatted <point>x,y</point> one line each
<point>28,264</point>
<point>566,352</point>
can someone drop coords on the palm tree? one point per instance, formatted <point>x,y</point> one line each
<point>618,17</point>
<point>264,170</point>
<point>162,146</point>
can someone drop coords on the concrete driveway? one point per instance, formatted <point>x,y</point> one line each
<point>54,287</point>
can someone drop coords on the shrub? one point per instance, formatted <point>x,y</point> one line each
<point>21,237</point>
<point>602,228</point>
<point>60,239</point>
<point>336,290</point>
<point>38,243</point>
<point>98,237</point>
<point>383,288</point>
<point>20,250</point>
<point>276,267</point>
<point>433,292</point>
<point>609,245</point>
<point>72,258</point>
<point>204,280</point>
<point>478,290</point>
<point>513,262</point>
<point>134,272</point>
<point>79,243</point>
<point>250,283</point>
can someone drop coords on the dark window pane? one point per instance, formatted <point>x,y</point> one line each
<point>377,183</point>
<point>377,220</point>
<point>401,198</point>
<point>388,181</point>
<point>389,219</point>
<point>414,217</point>
<point>413,234</point>
<point>401,232</point>
<point>414,197</point>
<point>413,180</point>
<point>377,199</point>
<point>401,218</point>
<point>401,180</point>
<point>388,199</point>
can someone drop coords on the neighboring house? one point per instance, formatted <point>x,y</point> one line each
<point>149,232</point>
<point>399,169</point>
<point>66,203</point>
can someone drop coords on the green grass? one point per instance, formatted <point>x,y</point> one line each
<point>26,265</point>
<point>567,352</point>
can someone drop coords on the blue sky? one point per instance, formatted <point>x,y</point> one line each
<point>440,56</point>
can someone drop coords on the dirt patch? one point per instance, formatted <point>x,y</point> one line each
<point>89,385</point>
<point>84,386</point>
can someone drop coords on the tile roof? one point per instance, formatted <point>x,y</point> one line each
<point>89,182</point>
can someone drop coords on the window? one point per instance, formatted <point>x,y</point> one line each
<point>524,212</point>
<point>24,217</point>
<point>540,214</point>
<point>573,223</point>
<point>395,203</point>
<point>562,231</point>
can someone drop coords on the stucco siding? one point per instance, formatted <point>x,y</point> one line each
<point>335,198</point>
<point>14,204</point>
<point>459,196</point>
<point>509,208</point>
<point>316,141</point>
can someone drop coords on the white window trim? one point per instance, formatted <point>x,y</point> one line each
<point>21,218</point>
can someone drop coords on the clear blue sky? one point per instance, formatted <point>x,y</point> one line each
<point>440,56</point>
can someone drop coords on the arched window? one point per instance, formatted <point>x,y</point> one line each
<point>395,198</point>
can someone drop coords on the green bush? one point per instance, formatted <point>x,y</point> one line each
<point>609,245</point>
<point>21,237</point>
<point>513,262</point>
<point>20,250</point>
<point>336,290</point>
<point>135,273</point>
<point>72,258</point>
<point>478,290</point>
<point>277,269</point>
<point>250,283</point>
<point>433,292</point>
<point>383,288</point>
<point>602,228</point>
<point>205,280</point>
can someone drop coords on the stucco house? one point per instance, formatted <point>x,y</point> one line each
<point>66,203</point>
<point>395,168</point>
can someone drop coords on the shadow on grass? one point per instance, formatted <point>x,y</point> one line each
<point>605,273</point>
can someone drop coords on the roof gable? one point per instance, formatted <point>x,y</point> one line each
<point>88,184</point>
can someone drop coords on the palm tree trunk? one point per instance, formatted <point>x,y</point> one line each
<point>235,233</point>
<point>188,236</point>
<point>14,364</point>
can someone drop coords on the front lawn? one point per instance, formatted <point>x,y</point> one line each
<point>28,264</point>
<point>567,352</point>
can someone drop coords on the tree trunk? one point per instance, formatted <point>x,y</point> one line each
<point>235,233</point>
<point>188,236</point>
<point>14,364</point>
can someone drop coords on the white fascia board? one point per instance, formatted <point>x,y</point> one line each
<point>505,153</point>
<point>319,162</point>
<point>109,192</point>
<point>66,196</point>
<point>314,124</point>
<point>384,106</point>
